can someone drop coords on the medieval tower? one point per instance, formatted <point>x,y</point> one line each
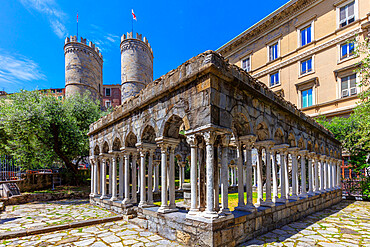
<point>136,64</point>
<point>83,68</point>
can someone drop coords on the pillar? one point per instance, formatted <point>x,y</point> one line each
<point>96,178</point>
<point>294,176</point>
<point>110,178</point>
<point>114,178</point>
<point>134,178</point>
<point>142,179</point>
<point>254,175</point>
<point>339,180</point>
<point>317,186</point>
<point>275,192</point>
<point>326,174</point>
<point>303,174</point>
<point>171,173</point>
<point>103,179</point>
<point>126,200</point>
<point>240,174</point>
<point>121,178</point>
<point>283,191</point>
<point>322,176</point>
<point>156,177</point>
<point>259,179</point>
<point>150,177</point>
<point>209,138</point>
<point>164,205</point>
<point>249,166</point>
<point>268,201</point>
<point>310,175</point>
<point>182,174</point>
<point>193,174</point>
<point>224,176</point>
<point>92,186</point>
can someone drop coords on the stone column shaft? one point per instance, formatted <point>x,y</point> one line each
<point>294,176</point>
<point>121,178</point>
<point>240,175</point>
<point>142,179</point>
<point>275,197</point>
<point>310,177</point>
<point>259,179</point>
<point>224,182</point>
<point>303,176</point>
<point>268,200</point>
<point>134,178</point>
<point>114,178</point>
<point>172,178</point>
<point>283,192</point>
<point>126,200</point>
<point>103,180</point>
<point>96,178</point>
<point>249,186</point>
<point>193,176</point>
<point>164,200</point>
<point>209,139</point>
<point>150,178</point>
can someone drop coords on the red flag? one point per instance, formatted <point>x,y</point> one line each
<point>133,14</point>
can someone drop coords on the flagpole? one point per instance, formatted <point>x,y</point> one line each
<point>132,27</point>
<point>77,25</point>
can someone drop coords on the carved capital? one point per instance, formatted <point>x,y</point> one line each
<point>192,140</point>
<point>209,137</point>
<point>225,140</point>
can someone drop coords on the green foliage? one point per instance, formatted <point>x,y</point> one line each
<point>39,129</point>
<point>365,187</point>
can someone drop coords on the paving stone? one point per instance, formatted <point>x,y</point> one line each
<point>85,242</point>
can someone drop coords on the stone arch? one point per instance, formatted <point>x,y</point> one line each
<point>279,136</point>
<point>240,115</point>
<point>96,150</point>
<point>105,148</point>
<point>262,129</point>
<point>131,140</point>
<point>148,135</point>
<point>173,126</point>
<point>302,143</point>
<point>292,141</point>
<point>241,125</point>
<point>116,144</point>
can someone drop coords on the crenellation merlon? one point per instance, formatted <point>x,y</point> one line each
<point>73,39</point>
<point>140,37</point>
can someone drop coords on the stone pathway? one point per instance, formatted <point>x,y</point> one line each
<point>36,214</point>
<point>119,233</point>
<point>344,224</point>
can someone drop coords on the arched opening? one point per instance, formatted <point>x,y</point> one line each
<point>148,135</point>
<point>240,125</point>
<point>116,144</point>
<point>262,132</point>
<point>174,127</point>
<point>278,137</point>
<point>131,140</point>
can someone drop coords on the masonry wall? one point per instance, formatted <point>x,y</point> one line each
<point>243,227</point>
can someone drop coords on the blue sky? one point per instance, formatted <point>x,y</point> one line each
<point>33,31</point>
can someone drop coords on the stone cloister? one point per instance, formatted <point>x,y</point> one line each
<point>212,116</point>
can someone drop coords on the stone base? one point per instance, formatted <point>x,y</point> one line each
<point>115,206</point>
<point>234,229</point>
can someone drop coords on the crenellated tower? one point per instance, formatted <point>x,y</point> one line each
<point>83,68</point>
<point>136,64</point>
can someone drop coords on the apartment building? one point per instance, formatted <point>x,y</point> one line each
<point>111,95</point>
<point>304,51</point>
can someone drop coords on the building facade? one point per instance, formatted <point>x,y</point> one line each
<point>111,95</point>
<point>304,51</point>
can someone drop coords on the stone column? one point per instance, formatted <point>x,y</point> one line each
<point>138,178</point>
<point>150,177</point>
<point>268,201</point>
<point>293,153</point>
<point>172,178</point>
<point>114,178</point>
<point>110,178</point>
<point>134,178</point>
<point>182,174</point>
<point>303,193</point>
<point>275,192</point>
<point>334,174</point>
<point>310,175</point>
<point>339,179</point>
<point>164,207</point>
<point>209,138</point>
<point>232,175</point>
<point>254,175</point>
<point>287,182</point>
<point>322,176</point>
<point>103,179</point>
<point>156,177</point>
<point>326,174</point>
<point>249,187</point>
<point>192,140</point>
<point>283,192</point>
<point>240,174</point>
<point>259,179</point>
<point>317,185</point>
<point>121,178</point>
<point>224,176</point>
<point>216,179</point>
<point>92,186</point>
<point>142,179</point>
<point>126,200</point>
<point>96,177</point>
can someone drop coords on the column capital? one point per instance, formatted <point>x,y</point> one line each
<point>192,140</point>
<point>293,150</point>
<point>322,157</point>
<point>303,152</point>
<point>268,144</point>
<point>248,140</point>
<point>128,150</point>
<point>311,155</point>
<point>225,140</point>
<point>209,137</point>
<point>167,141</point>
<point>280,147</point>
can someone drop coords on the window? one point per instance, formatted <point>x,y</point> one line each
<point>306,66</point>
<point>273,51</point>
<point>306,98</point>
<point>107,92</point>
<point>348,86</point>
<point>347,50</point>
<point>274,79</point>
<point>347,14</point>
<point>107,104</point>
<point>246,64</point>
<point>306,36</point>
<point>59,91</point>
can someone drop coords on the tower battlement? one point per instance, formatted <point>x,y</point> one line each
<point>73,39</point>
<point>130,35</point>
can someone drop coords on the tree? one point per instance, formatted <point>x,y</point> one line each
<point>37,128</point>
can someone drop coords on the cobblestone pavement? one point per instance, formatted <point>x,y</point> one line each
<point>119,233</point>
<point>40,214</point>
<point>344,224</point>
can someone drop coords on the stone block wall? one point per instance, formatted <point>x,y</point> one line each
<point>230,232</point>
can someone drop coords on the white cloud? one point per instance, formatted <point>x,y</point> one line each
<point>52,11</point>
<point>105,41</point>
<point>18,70</point>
